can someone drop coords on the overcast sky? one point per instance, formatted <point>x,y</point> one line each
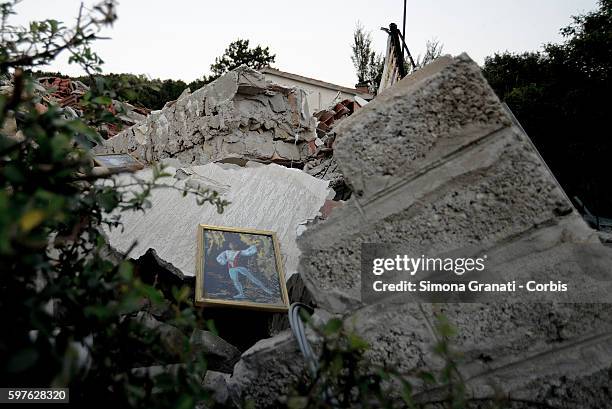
<point>179,39</point>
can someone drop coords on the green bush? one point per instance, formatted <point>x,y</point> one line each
<point>67,311</point>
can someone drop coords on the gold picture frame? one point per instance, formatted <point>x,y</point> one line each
<point>234,269</point>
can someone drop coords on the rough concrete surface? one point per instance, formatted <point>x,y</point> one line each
<point>265,197</point>
<point>216,384</point>
<point>266,371</point>
<point>220,355</point>
<point>238,117</point>
<point>482,190</point>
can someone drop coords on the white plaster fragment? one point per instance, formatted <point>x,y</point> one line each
<point>269,197</point>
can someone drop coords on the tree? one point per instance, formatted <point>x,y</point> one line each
<point>368,64</point>
<point>375,71</point>
<point>561,97</point>
<point>70,313</point>
<point>433,49</point>
<point>238,53</point>
<point>362,42</point>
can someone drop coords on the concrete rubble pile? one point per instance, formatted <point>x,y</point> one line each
<point>236,118</point>
<point>67,94</point>
<point>241,117</point>
<point>322,163</point>
<point>231,136</point>
<point>436,164</point>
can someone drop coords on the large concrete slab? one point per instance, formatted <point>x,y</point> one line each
<point>467,178</point>
<point>437,165</point>
<point>265,197</point>
<point>427,116</point>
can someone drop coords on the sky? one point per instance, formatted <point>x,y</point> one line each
<point>179,39</point>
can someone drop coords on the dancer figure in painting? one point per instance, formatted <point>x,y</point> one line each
<point>231,258</point>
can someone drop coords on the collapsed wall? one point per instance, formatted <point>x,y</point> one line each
<point>436,164</point>
<point>238,117</point>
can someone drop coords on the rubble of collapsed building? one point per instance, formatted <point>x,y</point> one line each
<point>265,197</point>
<point>67,95</point>
<point>215,138</point>
<point>322,163</point>
<point>433,163</point>
<point>246,139</point>
<point>240,117</point>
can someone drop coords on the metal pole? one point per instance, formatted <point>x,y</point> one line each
<point>404,29</point>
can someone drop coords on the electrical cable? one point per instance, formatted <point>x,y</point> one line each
<point>297,327</point>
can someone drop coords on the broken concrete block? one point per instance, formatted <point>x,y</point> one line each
<point>428,115</point>
<point>277,103</point>
<point>236,115</point>
<point>478,183</point>
<point>437,165</point>
<point>216,384</point>
<point>512,350</point>
<point>263,375</point>
<point>266,197</point>
<point>220,355</point>
<point>172,339</point>
<point>287,150</point>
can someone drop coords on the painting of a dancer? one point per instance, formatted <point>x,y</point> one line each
<point>239,267</point>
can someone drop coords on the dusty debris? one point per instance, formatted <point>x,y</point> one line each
<point>321,163</point>
<point>64,91</point>
<point>327,117</point>
<point>236,118</point>
<point>241,117</point>
<point>67,94</point>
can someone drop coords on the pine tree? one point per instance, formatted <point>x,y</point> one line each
<point>239,53</point>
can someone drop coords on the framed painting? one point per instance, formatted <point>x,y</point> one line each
<point>239,268</point>
<point>118,162</point>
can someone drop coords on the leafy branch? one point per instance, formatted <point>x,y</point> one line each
<point>42,41</point>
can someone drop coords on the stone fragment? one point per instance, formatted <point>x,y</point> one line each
<point>259,145</point>
<point>171,337</point>
<point>287,150</point>
<point>220,355</point>
<point>278,103</point>
<point>263,375</point>
<point>216,384</point>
